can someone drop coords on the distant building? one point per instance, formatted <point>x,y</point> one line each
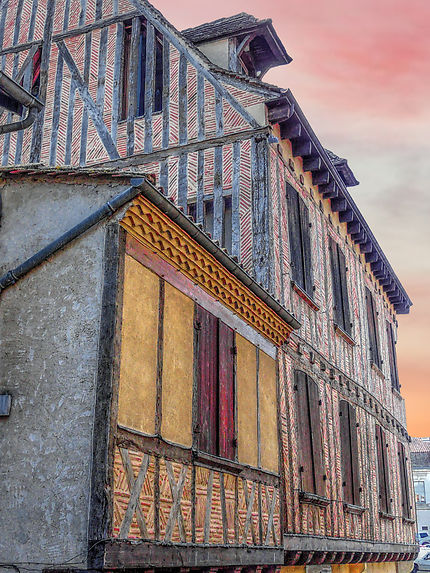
<point>420,457</point>
<point>205,377</point>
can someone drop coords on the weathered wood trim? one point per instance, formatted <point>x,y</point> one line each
<point>160,348</point>
<point>164,176</point>
<point>166,94</point>
<point>117,79</point>
<point>200,107</point>
<point>183,103</point>
<point>176,488</point>
<point>208,507</point>
<point>183,181</point>
<point>99,24</point>
<point>135,487</point>
<point>200,187</point>
<point>4,4</point>
<point>249,500</point>
<point>235,202</point>
<point>257,385</point>
<point>56,110</point>
<point>89,102</point>
<point>223,509</point>
<point>69,128</point>
<point>126,554</point>
<point>143,158</point>
<point>219,120</point>
<point>132,83</point>
<point>218,203</point>
<point>149,86</point>
<point>107,385</point>
<point>102,56</point>
<point>279,230</point>
<point>84,122</point>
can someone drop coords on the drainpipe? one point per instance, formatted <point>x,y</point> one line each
<point>25,98</point>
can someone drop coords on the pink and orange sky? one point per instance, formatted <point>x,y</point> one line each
<point>361,73</point>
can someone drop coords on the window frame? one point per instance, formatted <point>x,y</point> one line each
<point>351,475</point>
<point>384,485</point>
<point>404,482</point>
<point>392,355</point>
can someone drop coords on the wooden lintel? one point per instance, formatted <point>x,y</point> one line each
<point>302,148</point>
<point>338,204</point>
<point>346,216</point>
<point>377,266</point>
<point>320,177</point>
<point>330,190</point>
<point>359,238</point>
<point>385,281</point>
<point>312,164</point>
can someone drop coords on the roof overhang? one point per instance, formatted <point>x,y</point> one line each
<point>294,126</point>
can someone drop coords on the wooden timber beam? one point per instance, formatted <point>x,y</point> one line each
<point>377,266</point>
<point>302,148</point>
<point>312,163</point>
<point>330,190</point>
<point>291,129</point>
<point>366,247</point>
<point>353,226</point>
<point>346,216</point>
<point>338,204</point>
<point>371,257</point>
<point>280,113</point>
<point>320,177</point>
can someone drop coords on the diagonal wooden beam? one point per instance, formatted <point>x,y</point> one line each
<point>177,489</point>
<point>93,111</point>
<point>208,507</point>
<point>271,510</point>
<point>249,500</point>
<point>135,486</point>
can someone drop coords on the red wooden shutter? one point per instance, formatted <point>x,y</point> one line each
<point>207,375</point>
<point>226,445</point>
<point>294,234</point>
<point>304,433</point>
<point>346,455</point>
<point>406,504</point>
<point>315,423</point>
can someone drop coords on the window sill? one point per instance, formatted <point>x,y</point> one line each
<point>396,392</point>
<point>233,467</point>
<point>408,520</point>
<point>340,332</point>
<point>355,509</point>
<point>303,295</point>
<point>377,370</point>
<point>388,516</point>
<point>313,499</point>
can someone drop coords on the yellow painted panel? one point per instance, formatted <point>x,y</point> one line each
<point>268,413</point>
<point>177,393</point>
<point>137,391</point>
<point>246,401</point>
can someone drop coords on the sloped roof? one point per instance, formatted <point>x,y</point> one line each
<point>222,27</point>
<point>420,445</point>
<point>343,169</point>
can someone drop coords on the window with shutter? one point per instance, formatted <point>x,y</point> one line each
<point>300,242</point>
<point>372,321</point>
<point>208,219</point>
<point>404,481</point>
<point>392,357</point>
<point>215,375</point>
<point>312,473</point>
<point>342,316</point>
<point>383,475</point>
<point>349,453</point>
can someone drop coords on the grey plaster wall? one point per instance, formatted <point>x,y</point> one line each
<point>49,331</point>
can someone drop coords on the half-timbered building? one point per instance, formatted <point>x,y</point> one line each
<point>199,366</point>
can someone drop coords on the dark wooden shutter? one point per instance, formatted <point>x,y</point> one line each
<point>304,433</point>
<point>306,247</point>
<point>337,289</point>
<point>355,463</point>
<point>383,477</point>
<point>372,321</point>
<point>207,375</point>
<point>392,356</point>
<point>406,503</point>
<point>315,422</point>
<point>158,82</point>
<point>226,446</point>
<point>294,233</point>
<point>346,317</point>
<point>346,454</point>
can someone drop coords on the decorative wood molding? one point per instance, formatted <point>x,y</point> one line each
<point>313,499</point>
<point>303,295</point>
<point>148,225</point>
<point>344,335</point>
